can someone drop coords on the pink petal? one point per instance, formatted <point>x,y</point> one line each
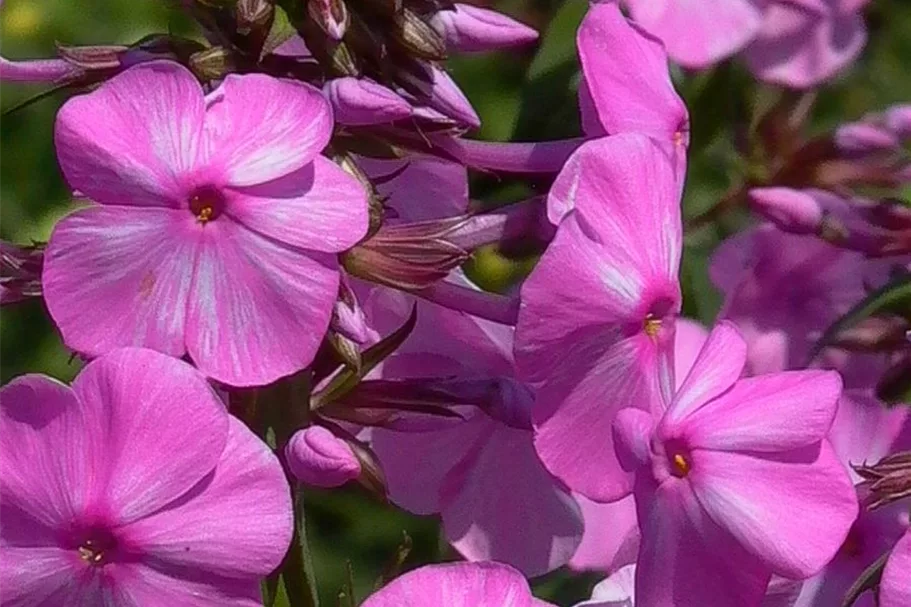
<point>689,339</point>
<point>456,585</point>
<point>895,588</point>
<point>573,414</point>
<point>699,33</point>
<point>800,49</point>
<point>145,451</point>
<point>258,310</point>
<point>319,207</point>
<point>625,77</point>
<point>611,536</point>
<point>418,489</point>
<point>618,590</point>
<point>259,128</point>
<point>120,276</point>
<point>865,430</point>
<point>443,186</point>
<point>790,510</point>
<point>38,575</point>
<point>768,413</point>
<point>236,522</point>
<point>521,518</point>
<point>116,146</point>
<point>717,367</point>
<point>685,559</point>
<point>142,585</point>
<point>45,457</point>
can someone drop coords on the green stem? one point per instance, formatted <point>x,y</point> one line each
<point>297,568</point>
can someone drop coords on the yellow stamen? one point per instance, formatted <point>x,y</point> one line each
<point>682,465</point>
<point>205,214</point>
<point>89,554</point>
<point>652,326</point>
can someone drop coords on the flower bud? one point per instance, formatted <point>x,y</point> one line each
<point>438,90</point>
<point>359,102</point>
<point>791,210</point>
<point>864,138</point>
<point>20,272</point>
<point>331,16</point>
<point>317,457</point>
<point>469,28</point>
<point>898,121</point>
<point>887,481</point>
<point>419,38</point>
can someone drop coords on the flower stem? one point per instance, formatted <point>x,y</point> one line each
<point>537,157</point>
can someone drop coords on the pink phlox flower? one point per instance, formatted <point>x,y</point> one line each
<point>135,487</point>
<point>216,221</point>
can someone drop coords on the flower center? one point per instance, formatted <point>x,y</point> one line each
<point>651,325</point>
<point>681,465</point>
<point>97,548</point>
<point>206,203</point>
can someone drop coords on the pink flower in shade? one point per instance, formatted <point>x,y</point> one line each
<point>457,585</point>
<point>216,223</point>
<point>735,480</point>
<point>134,487</point>
<point>596,324</point>
<point>895,587</point>
<point>626,86</point>
<point>496,500</point>
<point>611,537</point>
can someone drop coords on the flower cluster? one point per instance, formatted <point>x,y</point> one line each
<point>266,280</point>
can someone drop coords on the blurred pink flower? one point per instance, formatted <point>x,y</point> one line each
<point>895,587</point>
<point>134,487</point>
<point>596,324</point>
<point>457,585</point>
<point>482,475</point>
<point>796,43</point>
<point>611,537</point>
<point>735,481</point>
<point>216,224</point>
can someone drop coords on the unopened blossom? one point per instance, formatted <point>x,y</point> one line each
<point>796,43</point>
<point>611,537</point>
<point>457,585</point>
<point>470,28</point>
<point>319,458</point>
<point>895,586</point>
<point>216,221</point>
<point>480,473</point>
<point>135,487</point>
<point>596,323</point>
<point>735,480</point>
<point>358,101</point>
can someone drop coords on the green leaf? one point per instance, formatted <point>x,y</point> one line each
<point>298,577</point>
<point>894,297</point>
<point>348,378</point>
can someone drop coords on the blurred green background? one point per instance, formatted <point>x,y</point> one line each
<point>524,95</point>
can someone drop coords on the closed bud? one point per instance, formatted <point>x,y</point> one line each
<point>359,102</point>
<point>898,121</point>
<point>864,138</point>
<point>791,210</point>
<point>317,457</point>
<point>469,28</point>
<point>212,64</point>
<point>887,481</point>
<point>20,272</point>
<point>93,57</point>
<point>418,37</point>
<point>348,317</point>
<point>331,16</point>
<point>254,22</point>
<point>435,88</point>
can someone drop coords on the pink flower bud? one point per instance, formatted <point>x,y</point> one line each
<point>448,98</point>
<point>791,210</point>
<point>38,70</point>
<point>331,16</point>
<point>898,121</point>
<point>864,137</point>
<point>318,457</point>
<point>471,28</point>
<point>361,102</point>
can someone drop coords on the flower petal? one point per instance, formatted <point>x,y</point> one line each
<point>131,141</point>
<point>521,518</point>
<point>801,49</point>
<point>45,457</point>
<point>611,536</point>
<point>685,559</point>
<point>236,522</point>
<point>120,276</point>
<point>39,576</point>
<point>625,78</point>
<point>716,368</point>
<point>142,585</point>
<point>258,310</point>
<point>260,128</point>
<point>456,585</point>
<point>792,510</point>
<point>699,33</point>
<point>319,207</point>
<point>768,413</point>
<point>895,588</point>
<point>148,451</point>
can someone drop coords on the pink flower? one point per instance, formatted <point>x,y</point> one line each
<point>134,487</point>
<point>496,500</point>
<point>596,324</point>
<point>611,537</point>
<point>457,585</point>
<point>735,481</point>
<point>895,587</point>
<point>626,87</point>
<point>216,224</point>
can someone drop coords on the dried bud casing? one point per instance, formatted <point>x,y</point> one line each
<point>418,37</point>
<point>212,64</point>
<point>20,272</point>
<point>887,481</point>
<point>331,15</point>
